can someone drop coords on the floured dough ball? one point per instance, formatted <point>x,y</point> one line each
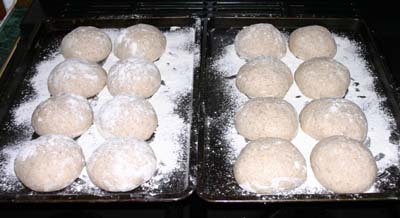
<point>311,42</point>
<point>264,77</point>
<point>134,76</point>
<point>49,163</point>
<point>77,76</point>
<point>121,164</point>
<point>127,115</point>
<point>140,40</point>
<point>86,42</point>
<point>258,40</point>
<point>343,165</point>
<point>327,117</point>
<point>322,78</point>
<point>266,117</point>
<point>270,165</point>
<point>65,114</point>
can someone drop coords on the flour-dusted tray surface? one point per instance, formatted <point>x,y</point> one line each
<point>173,103</point>
<point>368,89</point>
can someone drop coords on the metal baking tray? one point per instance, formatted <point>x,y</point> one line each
<point>216,182</point>
<point>35,45</point>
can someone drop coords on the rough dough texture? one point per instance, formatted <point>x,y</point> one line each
<point>66,114</point>
<point>134,76</point>
<point>126,115</point>
<point>49,163</point>
<point>266,117</point>
<point>121,164</point>
<point>140,40</point>
<point>258,40</point>
<point>322,78</point>
<point>86,42</point>
<point>343,165</point>
<point>77,76</point>
<point>327,117</point>
<point>311,42</point>
<point>264,77</point>
<point>270,165</point>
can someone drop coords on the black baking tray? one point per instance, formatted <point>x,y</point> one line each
<point>216,182</point>
<point>34,46</point>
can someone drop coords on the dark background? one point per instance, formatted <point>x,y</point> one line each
<point>383,17</point>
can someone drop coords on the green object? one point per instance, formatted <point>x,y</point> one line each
<point>9,32</point>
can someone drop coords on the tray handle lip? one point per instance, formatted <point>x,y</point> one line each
<point>208,198</point>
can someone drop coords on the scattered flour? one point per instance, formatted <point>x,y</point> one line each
<point>361,91</point>
<point>176,66</point>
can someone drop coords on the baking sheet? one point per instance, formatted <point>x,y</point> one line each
<point>170,182</point>
<point>216,181</point>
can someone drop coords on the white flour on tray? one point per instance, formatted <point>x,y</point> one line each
<point>361,91</point>
<point>176,66</point>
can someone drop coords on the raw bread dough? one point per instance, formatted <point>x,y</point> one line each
<point>121,164</point>
<point>266,117</point>
<point>140,40</point>
<point>322,78</point>
<point>77,76</point>
<point>343,165</point>
<point>333,116</point>
<point>261,39</point>
<point>270,165</point>
<point>311,42</point>
<point>264,77</point>
<point>86,42</point>
<point>49,163</point>
<point>126,116</point>
<point>134,76</point>
<point>66,114</point>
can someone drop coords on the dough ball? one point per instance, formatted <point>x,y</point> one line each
<point>86,42</point>
<point>266,117</point>
<point>311,42</point>
<point>322,78</point>
<point>343,165</point>
<point>327,117</point>
<point>77,76</point>
<point>140,40</point>
<point>134,76</point>
<point>126,115</point>
<point>65,114</point>
<point>121,164</point>
<point>261,39</point>
<point>49,163</point>
<point>270,165</point>
<point>264,77</point>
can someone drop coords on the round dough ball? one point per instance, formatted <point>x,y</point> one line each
<point>77,76</point>
<point>66,114</point>
<point>266,117</point>
<point>86,42</point>
<point>121,164</point>
<point>49,163</point>
<point>343,165</point>
<point>327,117</point>
<point>127,115</point>
<point>264,77</point>
<point>270,165</point>
<point>134,76</point>
<point>322,78</point>
<point>258,40</point>
<point>140,40</point>
<point>311,42</point>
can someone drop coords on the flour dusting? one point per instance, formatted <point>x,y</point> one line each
<point>362,91</point>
